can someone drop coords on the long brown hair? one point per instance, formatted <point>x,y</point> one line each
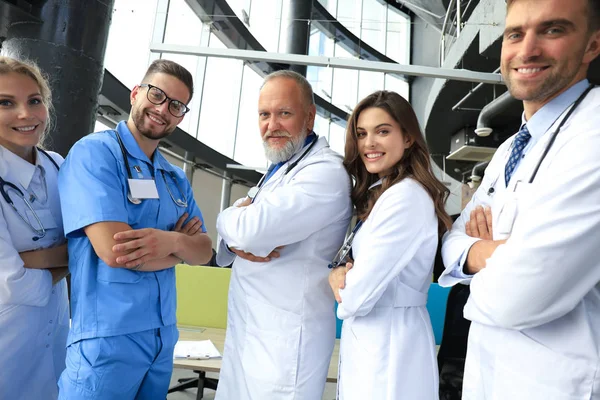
<point>415,162</point>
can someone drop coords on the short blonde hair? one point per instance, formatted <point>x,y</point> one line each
<point>30,69</point>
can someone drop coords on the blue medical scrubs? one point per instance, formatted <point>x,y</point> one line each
<point>123,322</point>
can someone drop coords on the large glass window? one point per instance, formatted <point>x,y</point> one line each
<point>345,84</point>
<point>374,25</point>
<point>128,59</point>
<point>331,6</point>
<point>241,8</point>
<point>220,99</point>
<point>265,23</point>
<point>183,26</point>
<point>248,144</point>
<point>337,137</point>
<point>398,36</point>
<point>321,127</point>
<point>320,78</point>
<point>349,14</point>
<point>369,82</point>
<point>397,85</point>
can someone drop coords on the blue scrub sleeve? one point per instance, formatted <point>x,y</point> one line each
<point>192,209</point>
<point>91,186</point>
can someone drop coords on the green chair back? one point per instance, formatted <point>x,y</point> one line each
<point>202,296</point>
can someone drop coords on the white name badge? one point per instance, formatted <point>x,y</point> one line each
<point>143,188</point>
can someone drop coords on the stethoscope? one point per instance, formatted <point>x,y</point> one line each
<point>181,202</point>
<point>346,248</point>
<point>253,192</point>
<point>41,231</point>
<point>553,136</point>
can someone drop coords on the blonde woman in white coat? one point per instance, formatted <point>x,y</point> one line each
<point>34,310</point>
<point>387,347</point>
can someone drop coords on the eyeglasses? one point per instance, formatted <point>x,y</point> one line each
<point>157,97</point>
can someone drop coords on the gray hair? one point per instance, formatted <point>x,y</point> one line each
<point>301,81</point>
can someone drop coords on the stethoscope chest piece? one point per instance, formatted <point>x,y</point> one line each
<point>133,200</point>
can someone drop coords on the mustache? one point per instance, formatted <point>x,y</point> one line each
<point>269,134</point>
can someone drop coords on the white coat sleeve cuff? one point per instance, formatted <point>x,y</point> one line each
<point>455,274</point>
<point>224,256</point>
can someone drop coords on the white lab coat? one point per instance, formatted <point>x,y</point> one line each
<point>387,349</point>
<point>535,308</point>
<point>280,324</point>
<point>34,315</point>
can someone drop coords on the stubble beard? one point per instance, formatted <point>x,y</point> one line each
<point>555,83</point>
<point>139,116</point>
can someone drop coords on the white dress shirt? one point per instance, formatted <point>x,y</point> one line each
<point>34,314</point>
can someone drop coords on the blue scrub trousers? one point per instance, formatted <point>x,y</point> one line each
<point>134,366</point>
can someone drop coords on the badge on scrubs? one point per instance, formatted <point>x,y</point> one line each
<point>143,188</point>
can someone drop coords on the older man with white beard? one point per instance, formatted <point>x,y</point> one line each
<point>281,325</point>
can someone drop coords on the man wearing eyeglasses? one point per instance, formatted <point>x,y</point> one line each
<point>130,216</point>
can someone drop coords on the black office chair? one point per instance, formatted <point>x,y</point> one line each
<point>201,382</point>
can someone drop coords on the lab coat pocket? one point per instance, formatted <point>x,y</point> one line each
<point>526,370</point>
<point>117,275</point>
<point>517,199</point>
<point>271,348</point>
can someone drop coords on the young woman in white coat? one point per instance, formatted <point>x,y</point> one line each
<point>34,310</point>
<point>387,347</point>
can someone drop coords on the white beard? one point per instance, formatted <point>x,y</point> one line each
<point>288,150</point>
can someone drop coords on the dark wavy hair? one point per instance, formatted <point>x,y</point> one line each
<point>415,163</point>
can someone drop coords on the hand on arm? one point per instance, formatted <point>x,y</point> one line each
<point>251,257</point>
<point>54,257</point>
<point>480,226</point>
<point>151,249</point>
<point>192,227</point>
<point>247,201</point>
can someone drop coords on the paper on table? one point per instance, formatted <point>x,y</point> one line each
<point>196,350</point>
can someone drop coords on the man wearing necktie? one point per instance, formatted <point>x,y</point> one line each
<point>528,248</point>
<point>280,322</point>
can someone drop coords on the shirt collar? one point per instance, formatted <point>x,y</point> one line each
<point>20,170</point>
<point>545,117</point>
<point>135,151</point>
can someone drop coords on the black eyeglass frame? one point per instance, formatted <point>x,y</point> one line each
<point>149,86</point>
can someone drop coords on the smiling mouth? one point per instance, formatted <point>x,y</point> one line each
<point>26,128</point>
<point>530,71</point>
<point>155,119</point>
<point>372,156</point>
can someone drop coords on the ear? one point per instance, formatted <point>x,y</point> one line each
<point>408,141</point>
<point>133,94</point>
<point>312,112</point>
<point>592,49</point>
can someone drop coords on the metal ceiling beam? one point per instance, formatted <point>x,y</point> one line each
<point>320,61</point>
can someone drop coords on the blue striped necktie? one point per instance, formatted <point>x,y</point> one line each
<point>518,145</point>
